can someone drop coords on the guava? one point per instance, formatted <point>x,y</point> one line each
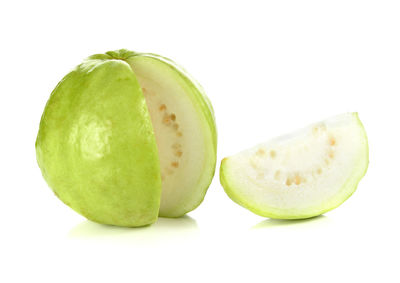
<point>126,137</point>
<point>302,174</point>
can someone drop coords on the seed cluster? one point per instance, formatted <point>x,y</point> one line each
<point>296,178</point>
<point>170,120</point>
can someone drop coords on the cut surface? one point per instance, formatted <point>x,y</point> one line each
<point>184,134</point>
<point>300,175</point>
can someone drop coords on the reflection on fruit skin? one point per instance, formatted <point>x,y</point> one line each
<point>91,135</point>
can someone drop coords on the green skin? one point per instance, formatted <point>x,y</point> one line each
<point>96,147</point>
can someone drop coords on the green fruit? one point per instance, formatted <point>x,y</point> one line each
<point>300,175</point>
<point>127,137</point>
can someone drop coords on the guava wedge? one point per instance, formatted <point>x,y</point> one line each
<point>302,174</point>
<point>126,137</point>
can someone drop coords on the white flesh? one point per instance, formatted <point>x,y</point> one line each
<point>302,174</point>
<point>183,137</point>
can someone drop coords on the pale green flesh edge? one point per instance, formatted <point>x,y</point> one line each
<point>229,187</point>
<point>205,109</point>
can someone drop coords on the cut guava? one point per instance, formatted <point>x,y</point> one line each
<point>300,175</point>
<point>185,133</point>
<point>127,137</point>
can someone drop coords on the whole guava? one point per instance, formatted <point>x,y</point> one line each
<point>126,137</point>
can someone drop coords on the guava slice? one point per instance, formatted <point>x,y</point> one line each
<point>300,175</point>
<point>126,137</point>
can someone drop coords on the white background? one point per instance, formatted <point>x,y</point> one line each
<point>269,67</point>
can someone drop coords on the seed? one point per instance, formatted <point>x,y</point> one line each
<point>166,119</point>
<point>332,141</point>
<point>163,107</point>
<point>179,153</point>
<point>272,153</point>
<point>173,117</point>
<point>277,175</point>
<point>179,134</point>
<point>331,154</point>
<point>176,145</point>
<point>175,164</point>
<point>260,152</point>
<point>319,171</point>
<point>175,126</point>
<point>297,180</point>
<point>288,182</point>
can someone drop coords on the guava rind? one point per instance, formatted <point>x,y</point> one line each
<point>230,187</point>
<point>96,146</point>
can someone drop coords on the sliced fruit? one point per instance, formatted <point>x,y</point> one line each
<point>185,131</point>
<point>124,133</point>
<point>300,175</point>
